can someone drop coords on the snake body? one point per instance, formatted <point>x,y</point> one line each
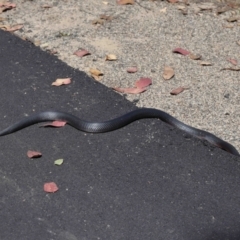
<point>116,123</point>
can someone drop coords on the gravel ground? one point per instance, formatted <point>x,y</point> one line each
<point>144,35</point>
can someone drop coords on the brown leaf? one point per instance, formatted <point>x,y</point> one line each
<point>232,61</point>
<point>181,51</point>
<point>96,74</point>
<point>98,21</point>
<point>233,19</point>
<point>195,57</point>
<point>50,187</point>
<point>143,82</point>
<point>130,90</point>
<point>55,124</point>
<point>61,81</point>
<point>124,2</point>
<point>231,68</point>
<point>33,154</point>
<point>46,6</point>
<point>105,17</point>
<point>178,90</point>
<point>110,57</point>
<point>220,10</point>
<point>81,53</point>
<point>132,69</point>
<point>168,73</point>
<point>206,6</point>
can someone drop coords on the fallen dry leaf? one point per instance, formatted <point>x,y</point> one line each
<point>204,63</point>
<point>81,53</point>
<point>58,162</point>
<point>228,26</point>
<point>124,2</point>
<point>11,29</point>
<point>6,6</point>
<point>46,6</point>
<point>143,82</point>
<point>221,10</point>
<point>178,90</point>
<point>233,19</point>
<point>195,57</point>
<point>106,17</point>
<point>173,1</point>
<point>130,90</point>
<point>33,154</point>
<point>96,74</point>
<point>168,73</point>
<point>98,21</point>
<point>206,6</point>
<point>141,86</point>
<point>110,57</point>
<point>50,187</point>
<point>181,51</point>
<point>61,81</point>
<point>55,124</point>
<point>232,61</point>
<point>231,68</point>
<point>132,69</point>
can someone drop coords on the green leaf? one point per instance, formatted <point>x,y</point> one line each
<point>58,162</point>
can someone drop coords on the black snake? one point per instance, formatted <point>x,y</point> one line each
<point>119,122</point>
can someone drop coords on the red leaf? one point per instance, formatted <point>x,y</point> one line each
<point>232,61</point>
<point>81,53</point>
<point>178,90</point>
<point>181,51</point>
<point>33,154</point>
<point>143,82</point>
<point>50,187</point>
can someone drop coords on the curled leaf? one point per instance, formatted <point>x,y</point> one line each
<point>61,81</point>
<point>33,154</point>
<point>178,90</point>
<point>95,73</point>
<point>50,187</point>
<point>181,51</point>
<point>168,73</point>
<point>81,53</point>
